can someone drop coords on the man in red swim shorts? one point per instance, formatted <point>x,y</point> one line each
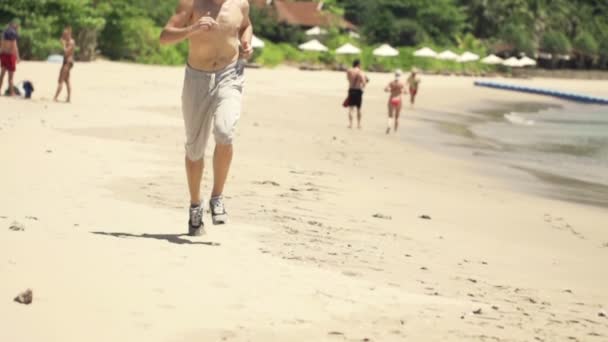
<point>396,89</point>
<point>9,54</point>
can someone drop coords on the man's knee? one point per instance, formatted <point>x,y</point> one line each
<point>224,131</point>
<point>223,136</point>
<point>195,152</point>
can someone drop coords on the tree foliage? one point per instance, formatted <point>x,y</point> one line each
<point>128,29</point>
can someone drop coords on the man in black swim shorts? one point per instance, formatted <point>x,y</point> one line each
<point>356,83</point>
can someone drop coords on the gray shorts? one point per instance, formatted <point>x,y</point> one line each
<point>211,97</point>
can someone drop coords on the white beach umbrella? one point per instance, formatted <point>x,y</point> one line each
<point>425,52</point>
<point>313,45</point>
<point>316,31</point>
<point>512,62</point>
<point>527,61</point>
<point>447,55</point>
<point>386,50</point>
<point>468,57</point>
<point>492,59</point>
<point>348,49</point>
<point>257,43</point>
<point>354,35</point>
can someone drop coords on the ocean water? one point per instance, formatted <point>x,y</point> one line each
<point>563,148</point>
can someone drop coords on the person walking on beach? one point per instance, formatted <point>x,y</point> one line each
<point>414,83</point>
<point>68,63</point>
<point>9,55</point>
<point>356,83</point>
<point>396,88</point>
<point>212,91</point>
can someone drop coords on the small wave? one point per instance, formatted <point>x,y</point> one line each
<point>516,119</point>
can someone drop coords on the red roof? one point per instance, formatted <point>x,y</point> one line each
<point>303,13</point>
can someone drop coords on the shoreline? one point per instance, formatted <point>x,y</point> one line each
<point>325,241</point>
<point>461,140</point>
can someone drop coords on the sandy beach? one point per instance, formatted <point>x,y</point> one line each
<point>325,241</point>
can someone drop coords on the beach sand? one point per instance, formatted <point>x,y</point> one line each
<point>325,242</point>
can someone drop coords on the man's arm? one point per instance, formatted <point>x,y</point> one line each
<point>17,50</point>
<point>363,79</point>
<point>246,31</point>
<point>177,28</point>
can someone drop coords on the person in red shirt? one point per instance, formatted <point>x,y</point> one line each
<point>9,54</point>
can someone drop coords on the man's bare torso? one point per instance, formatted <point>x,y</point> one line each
<point>7,46</point>
<point>356,78</point>
<point>396,89</point>
<point>218,47</point>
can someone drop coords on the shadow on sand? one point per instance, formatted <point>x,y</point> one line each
<point>171,238</point>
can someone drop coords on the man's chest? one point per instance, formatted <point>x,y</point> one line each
<point>228,15</point>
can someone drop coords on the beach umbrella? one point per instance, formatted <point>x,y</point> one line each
<point>468,57</point>
<point>348,49</point>
<point>527,61</point>
<point>492,59</point>
<point>354,35</point>
<point>386,50</point>
<point>55,59</point>
<point>512,62</point>
<point>313,45</point>
<point>257,43</point>
<point>447,55</point>
<point>315,31</point>
<point>425,52</point>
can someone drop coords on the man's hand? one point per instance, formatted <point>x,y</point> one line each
<point>205,23</point>
<point>246,49</point>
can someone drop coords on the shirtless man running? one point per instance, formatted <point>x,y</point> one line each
<point>213,86</point>
<point>9,54</point>
<point>68,62</point>
<point>356,83</point>
<point>396,89</point>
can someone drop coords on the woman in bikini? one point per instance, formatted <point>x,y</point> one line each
<point>396,89</point>
<point>68,62</point>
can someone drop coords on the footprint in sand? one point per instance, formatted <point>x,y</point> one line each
<point>267,182</point>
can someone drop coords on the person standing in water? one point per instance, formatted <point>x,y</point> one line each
<point>68,63</point>
<point>396,88</point>
<point>356,83</point>
<point>9,55</point>
<point>414,83</point>
<point>212,91</point>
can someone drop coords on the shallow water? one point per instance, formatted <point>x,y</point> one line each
<point>565,148</point>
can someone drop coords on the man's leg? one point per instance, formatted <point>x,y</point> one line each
<point>350,117</point>
<point>359,117</point>
<point>194,172</point>
<point>222,158</point>
<point>2,73</point>
<point>11,86</point>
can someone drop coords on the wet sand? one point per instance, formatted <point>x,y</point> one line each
<point>326,241</point>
